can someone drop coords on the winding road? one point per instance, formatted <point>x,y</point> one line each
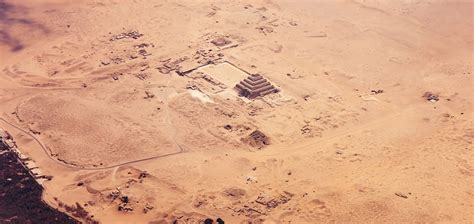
<point>170,127</point>
<point>46,151</point>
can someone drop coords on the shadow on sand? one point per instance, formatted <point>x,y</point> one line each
<point>12,16</point>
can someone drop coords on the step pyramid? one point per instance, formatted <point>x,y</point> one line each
<point>254,86</point>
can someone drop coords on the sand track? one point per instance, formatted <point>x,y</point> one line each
<point>62,163</point>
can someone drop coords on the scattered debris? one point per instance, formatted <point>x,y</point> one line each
<point>147,208</point>
<point>192,86</point>
<point>431,97</point>
<point>125,35</point>
<point>402,195</point>
<point>210,14</point>
<point>375,92</point>
<point>211,221</point>
<point>148,95</point>
<point>447,115</point>
<point>124,207</point>
<point>272,202</point>
<point>114,194</point>
<point>254,109</point>
<point>163,70</point>
<point>262,204</point>
<point>143,53</point>
<point>79,212</point>
<point>306,130</point>
<point>293,23</point>
<point>117,60</point>
<point>251,179</point>
<point>143,174</point>
<point>35,132</point>
<point>249,211</point>
<point>141,76</point>
<point>124,199</point>
<point>290,75</point>
<point>46,177</point>
<point>265,29</point>
<point>143,45</point>
<point>227,127</point>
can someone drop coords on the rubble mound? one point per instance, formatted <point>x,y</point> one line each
<point>257,139</point>
<point>432,97</point>
<point>220,42</point>
<point>130,34</point>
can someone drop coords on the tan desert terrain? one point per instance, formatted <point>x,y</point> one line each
<point>130,105</point>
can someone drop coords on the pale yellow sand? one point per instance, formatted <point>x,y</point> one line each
<point>339,152</point>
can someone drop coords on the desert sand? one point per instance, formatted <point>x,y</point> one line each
<point>130,105</point>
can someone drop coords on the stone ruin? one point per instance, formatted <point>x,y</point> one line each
<point>254,86</point>
<point>220,42</point>
<point>257,139</point>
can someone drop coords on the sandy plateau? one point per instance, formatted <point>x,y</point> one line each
<point>130,106</point>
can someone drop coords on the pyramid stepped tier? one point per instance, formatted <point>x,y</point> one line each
<point>266,92</point>
<point>265,88</point>
<point>254,86</point>
<point>250,82</point>
<point>255,77</point>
